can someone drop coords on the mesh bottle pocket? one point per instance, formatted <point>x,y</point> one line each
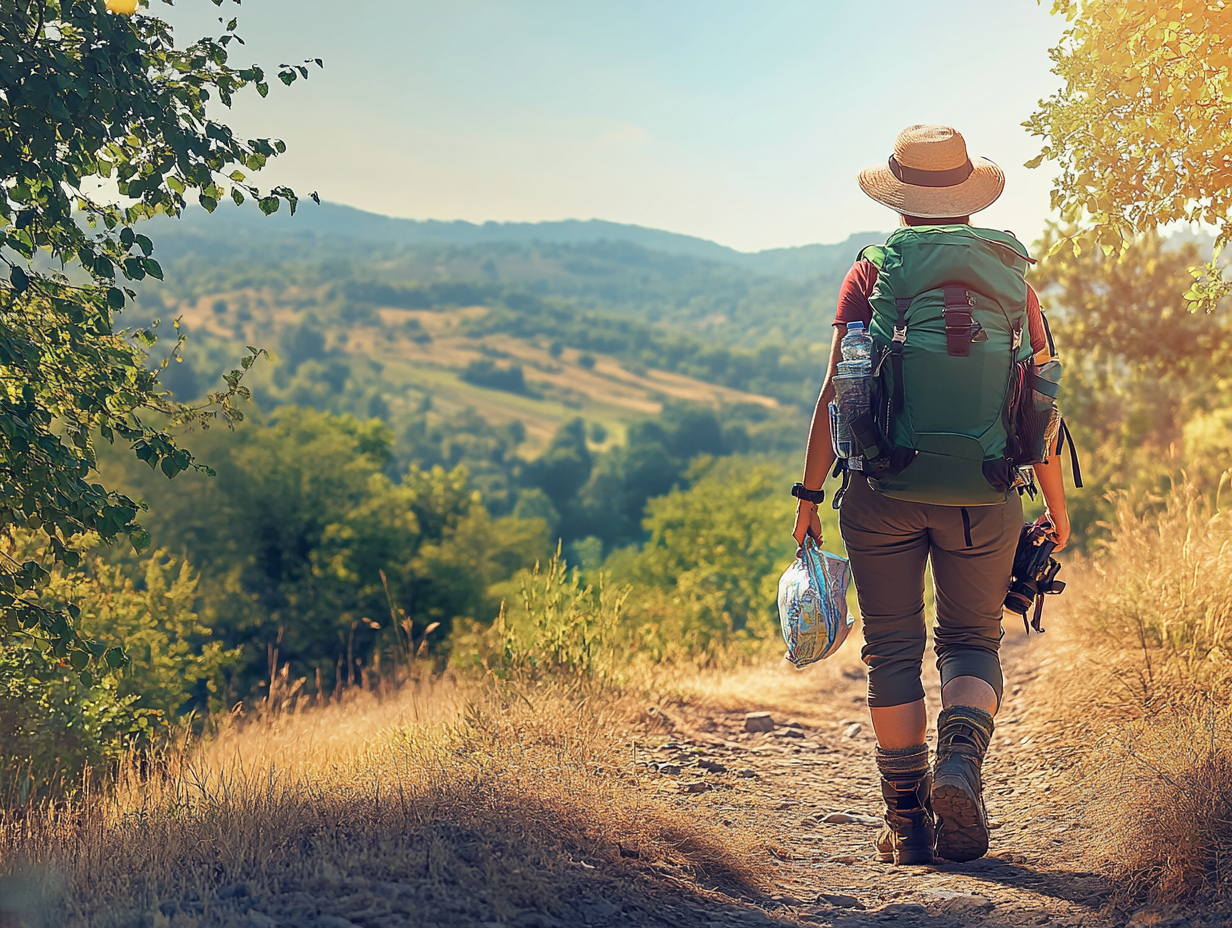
<point>1033,407</point>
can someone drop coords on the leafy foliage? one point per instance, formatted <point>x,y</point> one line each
<point>1142,129</point>
<point>175,664</point>
<point>61,729</point>
<point>1145,380</point>
<point>87,97</point>
<point>604,496</point>
<point>559,626</point>
<point>485,373</point>
<point>303,541</point>
<point>706,578</point>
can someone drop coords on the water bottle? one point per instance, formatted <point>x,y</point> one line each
<point>851,391</point>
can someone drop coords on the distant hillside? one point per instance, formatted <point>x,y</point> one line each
<point>686,284</point>
<point>331,221</point>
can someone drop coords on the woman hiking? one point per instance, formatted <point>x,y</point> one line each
<point>945,303</point>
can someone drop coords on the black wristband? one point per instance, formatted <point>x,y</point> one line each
<point>800,491</point>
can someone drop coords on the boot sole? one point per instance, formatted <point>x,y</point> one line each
<point>962,832</point>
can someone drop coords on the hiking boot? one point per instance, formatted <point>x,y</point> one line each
<point>908,834</point>
<point>963,734</point>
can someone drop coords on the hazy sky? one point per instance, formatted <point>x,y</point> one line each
<point>742,122</point>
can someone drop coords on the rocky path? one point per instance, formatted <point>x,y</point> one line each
<point>810,786</point>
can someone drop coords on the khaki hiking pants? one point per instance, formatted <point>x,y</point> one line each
<point>972,553</point>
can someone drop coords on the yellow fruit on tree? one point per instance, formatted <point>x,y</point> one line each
<point>124,7</point>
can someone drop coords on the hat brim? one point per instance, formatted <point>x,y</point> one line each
<point>977,192</point>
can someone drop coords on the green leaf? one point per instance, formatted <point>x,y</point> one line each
<point>19,280</point>
<point>115,658</point>
<point>269,205</point>
<point>115,297</point>
<point>153,268</point>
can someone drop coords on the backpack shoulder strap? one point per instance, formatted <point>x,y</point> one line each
<point>1063,437</point>
<point>874,254</point>
<point>1052,345</point>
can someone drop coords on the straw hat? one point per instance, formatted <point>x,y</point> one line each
<point>931,176</point>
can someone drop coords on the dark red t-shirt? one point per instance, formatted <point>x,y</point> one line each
<point>853,304</point>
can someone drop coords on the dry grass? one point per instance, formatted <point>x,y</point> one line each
<point>1147,642</point>
<point>1149,618</point>
<point>1161,798</point>
<point>481,800</point>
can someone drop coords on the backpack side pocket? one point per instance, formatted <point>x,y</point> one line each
<point>1035,413</point>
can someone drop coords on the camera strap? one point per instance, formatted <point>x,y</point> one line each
<point>1046,585</point>
<point>1037,619</point>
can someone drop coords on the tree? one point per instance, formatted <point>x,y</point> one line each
<point>88,99</point>
<point>303,540</point>
<point>1142,129</point>
<point>1145,385</point>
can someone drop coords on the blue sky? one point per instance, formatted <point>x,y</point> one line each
<point>740,122</point>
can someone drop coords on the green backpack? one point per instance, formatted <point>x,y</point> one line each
<point>950,329</point>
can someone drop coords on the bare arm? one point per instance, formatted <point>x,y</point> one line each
<point>819,457</point>
<point>1049,477</point>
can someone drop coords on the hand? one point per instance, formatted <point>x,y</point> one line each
<point>807,522</point>
<point>1058,527</point>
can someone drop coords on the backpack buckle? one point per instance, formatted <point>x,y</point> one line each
<point>900,335</point>
<point>960,327</point>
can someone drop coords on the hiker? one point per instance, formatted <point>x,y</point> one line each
<point>938,482</point>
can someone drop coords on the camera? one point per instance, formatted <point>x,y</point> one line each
<point>1034,575</point>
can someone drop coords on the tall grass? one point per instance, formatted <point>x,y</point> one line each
<point>1147,638</point>
<point>1155,607</point>
<point>1161,800</point>
<point>491,790</point>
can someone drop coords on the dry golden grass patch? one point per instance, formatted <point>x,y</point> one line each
<point>493,797</point>
<point>1147,644</point>
<point>1161,800</point>
<point>1152,612</point>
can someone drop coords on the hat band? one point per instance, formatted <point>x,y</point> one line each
<point>918,178</point>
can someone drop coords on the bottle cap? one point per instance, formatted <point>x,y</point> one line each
<point>856,326</point>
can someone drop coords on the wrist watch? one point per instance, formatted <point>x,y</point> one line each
<point>800,491</point>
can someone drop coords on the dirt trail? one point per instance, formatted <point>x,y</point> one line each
<point>789,780</point>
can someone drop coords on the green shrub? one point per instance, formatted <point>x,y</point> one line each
<point>55,729</point>
<point>558,627</point>
<point>174,667</point>
<point>59,729</point>
<point>706,580</point>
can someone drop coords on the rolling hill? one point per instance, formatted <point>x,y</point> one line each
<point>448,325</point>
